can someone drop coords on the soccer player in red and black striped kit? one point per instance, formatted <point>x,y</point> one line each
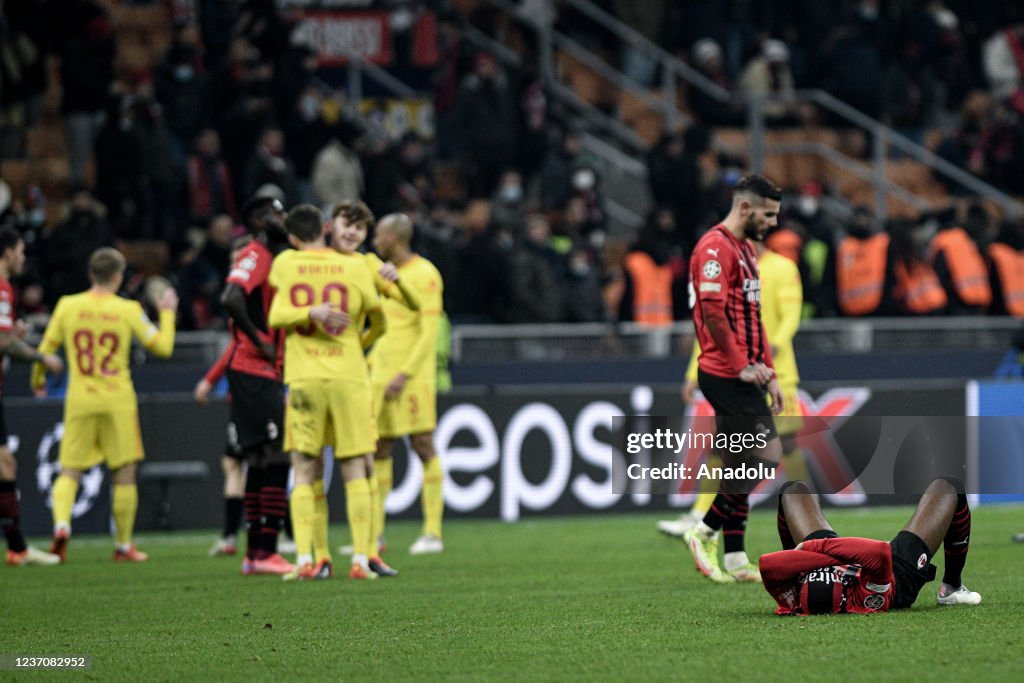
<point>735,371</point>
<point>257,392</point>
<point>829,574</point>
<point>12,260</point>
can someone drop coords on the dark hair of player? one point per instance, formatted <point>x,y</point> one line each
<point>255,206</point>
<point>305,223</point>
<point>354,212</point>
<point>758,186</point>
<point>9,238</point>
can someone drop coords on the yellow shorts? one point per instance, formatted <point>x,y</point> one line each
<point>413,412</point>
<point>790,420</point>
<point>112,437</point>
<point>314,405</point>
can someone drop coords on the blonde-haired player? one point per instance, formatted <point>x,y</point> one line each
<point>403,369</point>
<point>781,305</point>
<point>101,422</point>
<point>322,301</point>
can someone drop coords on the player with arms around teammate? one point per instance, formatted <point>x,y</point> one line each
<point>322,301</point>
<point>351,222</point>
<point>829,574</point>
<point>101,417</point>
<point>735,368</point>
<point>403,370</point>
<point>254,380</point>
<point>12,260</point>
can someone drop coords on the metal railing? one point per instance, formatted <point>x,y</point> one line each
<point>358,67</point>
<point>664,102</point>
<point>599,341</point>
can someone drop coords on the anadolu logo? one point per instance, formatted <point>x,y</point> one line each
<point>48,467</point>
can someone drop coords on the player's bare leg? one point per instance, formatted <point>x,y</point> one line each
<point>432,497</point>
<point>799,514</point>
<point>942,517</point>
<point>125,506</point>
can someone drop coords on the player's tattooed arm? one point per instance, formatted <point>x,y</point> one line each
<point>17,349</point>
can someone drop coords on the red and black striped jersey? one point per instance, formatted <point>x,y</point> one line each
<point>724,279</point>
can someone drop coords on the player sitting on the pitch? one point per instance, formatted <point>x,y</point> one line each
<point>828,574</point>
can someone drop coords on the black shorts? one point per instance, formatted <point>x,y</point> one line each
<point>910,567</point>
<point>231,447</point>
<point>3,424</point>
<point>257,409</point>
<point>740,407</point>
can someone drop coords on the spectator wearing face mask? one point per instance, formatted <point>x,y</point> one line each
<point>591,204</point>
<point>178,83</point>
<point>508,204</point>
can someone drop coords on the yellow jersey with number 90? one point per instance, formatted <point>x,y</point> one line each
<point>96,331</point>
<point>306,278</point>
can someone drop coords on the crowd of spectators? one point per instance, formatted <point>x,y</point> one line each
<point>234,108</point>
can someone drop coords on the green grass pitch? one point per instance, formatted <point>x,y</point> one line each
<point>577,598</point>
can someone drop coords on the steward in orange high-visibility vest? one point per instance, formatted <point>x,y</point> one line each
<point>652,289</point>
<point>918,289</point>
<point>952,252</point>
<point>860,273</point>
<point>1007,279</point>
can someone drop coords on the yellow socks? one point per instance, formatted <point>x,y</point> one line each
<point>321,518</point>
<point>360,513</point>
<point>64,491</point>
<point>303,509</point>
<point>374,519</point>
<point>126,504</point>
<point>795,466</point>
<point>433,497</point>
<point>708,488</point>
<point>384,473</point>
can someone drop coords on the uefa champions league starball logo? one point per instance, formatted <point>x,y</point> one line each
<point>48,467</point>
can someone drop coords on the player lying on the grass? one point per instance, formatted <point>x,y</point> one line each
<point>829,574</point>
<point>322,300</point>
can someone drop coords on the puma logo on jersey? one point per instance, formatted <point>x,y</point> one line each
<point>713,252</point>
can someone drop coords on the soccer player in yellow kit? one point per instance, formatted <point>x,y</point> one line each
<point>403,369</point>
<point>351,222</point>
<point>781,305</point>
<point>101,422</point>
<point>322,301</point>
